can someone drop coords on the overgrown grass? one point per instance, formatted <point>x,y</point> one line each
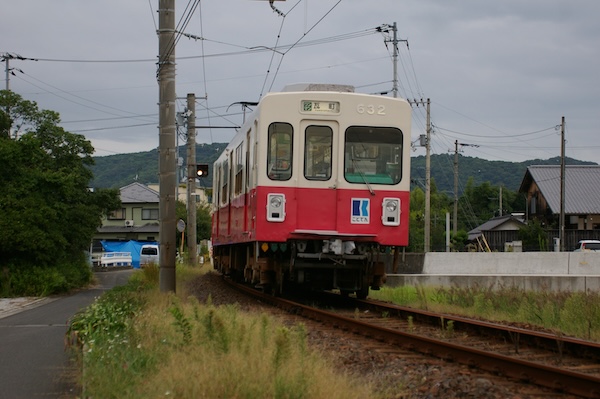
<point>574,314</point>
<point>139,343</point>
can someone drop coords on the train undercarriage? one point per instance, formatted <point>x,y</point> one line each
<point>316,264</point>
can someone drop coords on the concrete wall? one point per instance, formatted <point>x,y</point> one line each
<point>554,271</point>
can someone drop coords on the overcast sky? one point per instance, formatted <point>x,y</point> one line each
<point>500,75</point>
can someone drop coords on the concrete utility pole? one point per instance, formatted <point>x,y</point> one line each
<point>167,164</point>
<point>561,232</point>
<point>191,179</point>
<point>427,238</point>
<point>394,40</point>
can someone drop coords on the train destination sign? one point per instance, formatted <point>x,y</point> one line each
<point>331,107</point>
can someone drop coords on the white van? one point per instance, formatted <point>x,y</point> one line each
<point>149,254</point>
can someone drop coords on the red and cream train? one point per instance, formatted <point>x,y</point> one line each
<point>312,189</point>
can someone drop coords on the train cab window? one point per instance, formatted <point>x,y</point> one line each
<point>279,153</point>
<point>373,155</point>
<point>317,152</point>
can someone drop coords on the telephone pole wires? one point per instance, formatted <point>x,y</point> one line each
<point>167,164</point>
<point>427,234</point>
<point>455,214</point>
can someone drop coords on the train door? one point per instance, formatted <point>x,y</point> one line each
<point>317,195</point>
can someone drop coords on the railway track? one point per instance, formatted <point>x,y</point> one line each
<point>551,361</point>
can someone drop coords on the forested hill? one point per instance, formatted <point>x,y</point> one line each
<point>115,171</point>
<point>508,174</point>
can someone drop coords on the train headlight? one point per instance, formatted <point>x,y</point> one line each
<point>390,215</point>
<point>275,202</point>
<point>391,206</point>
<point>276,207</point>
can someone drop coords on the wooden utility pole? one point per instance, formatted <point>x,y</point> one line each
<point>561,232</point>
<point>167,163</point>
<point>191,179</point>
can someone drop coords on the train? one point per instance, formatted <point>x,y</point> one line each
<point>313,190</point>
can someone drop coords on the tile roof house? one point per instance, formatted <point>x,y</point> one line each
<point>138,219</point>
<point>499,223</point>
<point>541,185</point>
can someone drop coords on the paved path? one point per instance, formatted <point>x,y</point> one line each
<point>33,361</point>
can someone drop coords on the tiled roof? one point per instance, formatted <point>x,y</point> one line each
<point>138,193</point>
<point>493,224</point>
<point>582,187</point>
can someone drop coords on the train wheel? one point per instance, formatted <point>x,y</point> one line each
<point>363,293</point>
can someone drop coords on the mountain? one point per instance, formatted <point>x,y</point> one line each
<point>115,171</point>
<point>507,174</point>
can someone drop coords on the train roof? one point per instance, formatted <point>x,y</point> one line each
<point>318,87</point>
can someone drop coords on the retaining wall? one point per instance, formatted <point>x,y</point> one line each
<point>554,271</point>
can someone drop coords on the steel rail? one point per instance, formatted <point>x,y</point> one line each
<point>567,381</point>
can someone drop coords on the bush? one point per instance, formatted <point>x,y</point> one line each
<point>24,280</point>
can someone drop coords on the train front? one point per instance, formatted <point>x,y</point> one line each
<point>334,195</point>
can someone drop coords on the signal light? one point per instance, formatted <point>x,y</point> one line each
<point>202,170</point>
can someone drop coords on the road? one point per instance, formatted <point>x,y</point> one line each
<point>33,361</point>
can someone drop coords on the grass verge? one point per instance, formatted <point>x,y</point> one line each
<point>575,314</point>
<point>136,342</point>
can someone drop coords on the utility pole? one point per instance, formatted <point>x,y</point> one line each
<point>6,57</point>
<point>394,40</point>
<point>561,232</point>
<point>455,215</point>
<point>167,164</point>
<point>191,179</point>
<point>427,238</point>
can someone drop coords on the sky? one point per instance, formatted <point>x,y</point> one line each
<point>500,75</point>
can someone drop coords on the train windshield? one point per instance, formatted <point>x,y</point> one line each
<point>279,156</point>
<point>317,156</point>
<point>373,155</point>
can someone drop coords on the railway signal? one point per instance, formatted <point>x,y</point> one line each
<point>202,170</point>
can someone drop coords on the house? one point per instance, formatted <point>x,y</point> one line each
<point>496,232</point>
<point>199,193</point>
<point>541,186</point>
<point>498,223</point>
<point>138,219</point>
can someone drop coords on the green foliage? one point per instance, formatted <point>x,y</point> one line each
<point>533,236</point>
<point>203,221</point>
<point>47,214</point>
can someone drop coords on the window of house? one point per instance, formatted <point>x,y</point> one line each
<point>279,152</point>
<point>317,155</point>
<point>150,214</point>
<point>119,214</point>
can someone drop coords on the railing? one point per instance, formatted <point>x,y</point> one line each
<point>110,259</point>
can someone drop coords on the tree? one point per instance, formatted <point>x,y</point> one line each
<point>203,221</point>
<point>48,215</point>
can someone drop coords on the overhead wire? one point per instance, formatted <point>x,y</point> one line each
<point>302,37</point>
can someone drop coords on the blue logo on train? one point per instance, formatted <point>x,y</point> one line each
<point>360,211</point>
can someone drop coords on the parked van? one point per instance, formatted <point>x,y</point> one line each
<point>149,255</point>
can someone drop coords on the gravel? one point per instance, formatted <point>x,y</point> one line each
<point>396,374</point>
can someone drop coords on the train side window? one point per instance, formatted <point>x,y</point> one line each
<point>225,183</point>
<point>317,152</point>
<point>239,169</point>
<point>279,153</point>
<point>373,155</point>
